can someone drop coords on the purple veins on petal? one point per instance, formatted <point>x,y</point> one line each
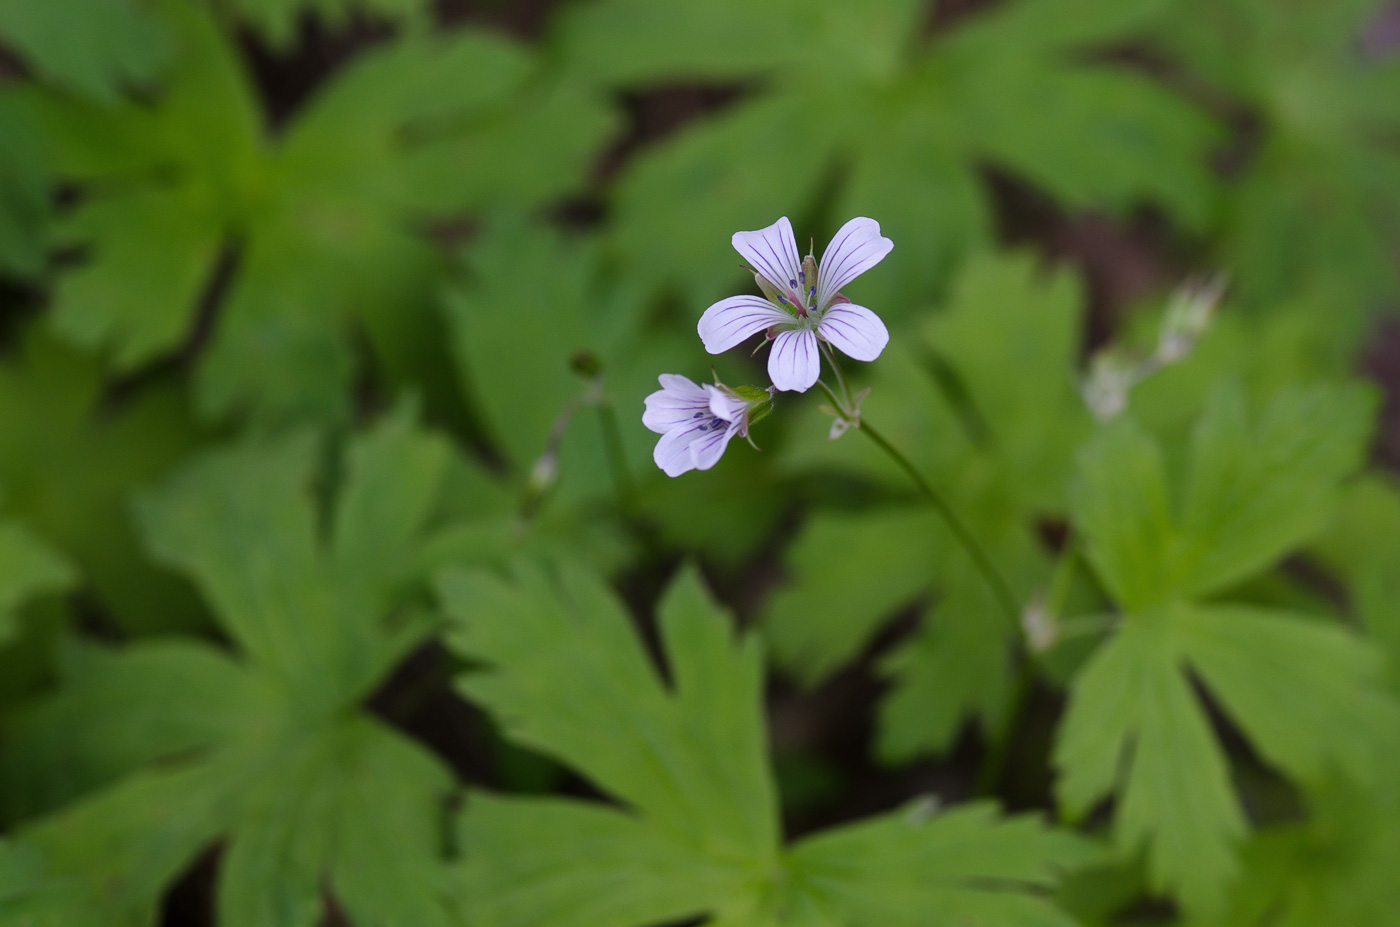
<point>772,250</point>
<point>794,363</point>
<point>733,320</point>
<point>697,423</point>
<point>855,248</point>
<point>855,331</point>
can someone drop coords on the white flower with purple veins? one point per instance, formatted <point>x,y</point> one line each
<point>697,421</point>
<point>803,301</point>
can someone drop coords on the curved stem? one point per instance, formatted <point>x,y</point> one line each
<point>1000,589</point>
<point>845,401</point>
<point>831,395</point>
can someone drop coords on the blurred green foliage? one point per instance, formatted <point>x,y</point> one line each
<point>336,577</point>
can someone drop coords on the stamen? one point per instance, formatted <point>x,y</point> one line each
<point>793,283</point>
<point>812,293</point>
<point>802,275</point>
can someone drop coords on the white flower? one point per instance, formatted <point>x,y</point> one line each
<point>803,301</point>
<point>696,421</point>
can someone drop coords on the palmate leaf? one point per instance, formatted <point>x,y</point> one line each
<point>92,47</point>
<point>56,425</point>
<point>1337,866</point>
<point>903,122</point>
<point>1008,346</point>
<point>698,834</point>
<point>267,750</point>
<point>1302,691</point>
<point>1319,203</point>
<point>326,230</point>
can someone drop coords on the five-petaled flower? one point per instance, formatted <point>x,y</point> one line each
<point>697,421</point>
<point>803,301</point>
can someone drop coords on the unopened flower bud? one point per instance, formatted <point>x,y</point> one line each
<point>1042,629</point>
<point>586,364</point>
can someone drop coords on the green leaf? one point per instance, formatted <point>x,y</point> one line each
<point>268,750</point>
<point>565,674</point>
<point>27,569</point>
<point>825,615</point>
<point>532,302</point>
<point>982,396</point>
<point>1292,683</point>
<point>125,844</point>
<point>57,423</point>
<point>1303,692</point>
<point>899,132</point>
<point>24,193</point>
<point>315,239</point>
<point>92,47</point>
<point>1176,792</point>
<point>1318,204</point>
<point>357,808</point>
<point>278,20</point>
<point>1122,507</point>
<point>1362,548</point>
<point>30,897</point>
<point>160,699</point>
<point>1254,491</point>
<point>632,42</point>
<point>1336,867</point>
<point>921,866</point>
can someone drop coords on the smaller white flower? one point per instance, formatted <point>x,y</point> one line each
<point>697,421</point>
<point>802,301</point>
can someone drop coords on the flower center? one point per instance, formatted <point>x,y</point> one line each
<point>798,296</point>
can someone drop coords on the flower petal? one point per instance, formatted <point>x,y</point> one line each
<point>679,401</point>
<point>794,363</point>
<point>682,386</point>
<point>731,321</point>
<point>672,452</point>
<point>707,449</point>
<point>772,252</point>
<point>855,331</point>
<point>855,248</point>
<point>725,405</point>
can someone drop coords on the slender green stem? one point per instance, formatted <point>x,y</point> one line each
<point>974,549</point>
<point>617,459</point>
<point>832,396</point>
<point>840,380</point>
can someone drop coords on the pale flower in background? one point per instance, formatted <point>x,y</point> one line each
<point>802,301</point>
<point>1113,373</point>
